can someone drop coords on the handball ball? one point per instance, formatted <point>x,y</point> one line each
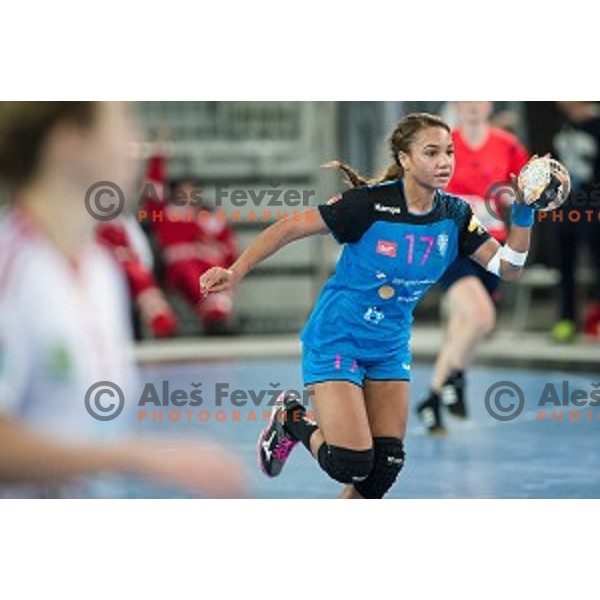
<point>544,183</point>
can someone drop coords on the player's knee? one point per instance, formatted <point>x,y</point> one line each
<point>486,319</point>
<point>345,465</point>
<point>479,321</point>
<point>388,462</point>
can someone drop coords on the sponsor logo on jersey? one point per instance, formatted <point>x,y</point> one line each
<point>374,315</point>
<point>413,298</point>
<point>389,249</point>
<point>442,244</point>
<point>386,292</point>
<point>58,363</point>
<point>412,282</point>
<point>392,210</point>
<point>475,225</point>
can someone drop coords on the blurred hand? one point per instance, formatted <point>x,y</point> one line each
<point>217,279</point>
<point>199,468</point>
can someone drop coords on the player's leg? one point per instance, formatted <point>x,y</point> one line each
<point>387,409</point>
<point>472,316</point>
<point>386,387</point>
<point>565,328</point>
<point>341,442</point>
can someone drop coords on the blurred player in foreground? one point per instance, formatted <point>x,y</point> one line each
<point>63,314</point>
<point>485,156</point>
<point>400,233</point>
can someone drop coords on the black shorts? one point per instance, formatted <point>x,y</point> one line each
<point>466,267</point>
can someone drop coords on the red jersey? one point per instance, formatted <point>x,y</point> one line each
<point>187,237</point>
<point>477,169</point>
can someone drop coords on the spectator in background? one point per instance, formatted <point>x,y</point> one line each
<point>127,242</point>
<point>191,239</point>
<point>577,146</point>
<point>485,155</point>
<point>506,118</point>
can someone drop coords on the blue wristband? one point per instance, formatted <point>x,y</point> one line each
<point>522,215</point>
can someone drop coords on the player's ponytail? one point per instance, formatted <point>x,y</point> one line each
<point>400,141</point>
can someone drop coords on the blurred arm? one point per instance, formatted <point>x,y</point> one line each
<point>27,456</point>
<point>196,467</point>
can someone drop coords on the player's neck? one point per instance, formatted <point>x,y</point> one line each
<point>60,215</point>
<point>419,199</point>
<point>475,134</point>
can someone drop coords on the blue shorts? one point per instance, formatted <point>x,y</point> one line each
<point>466,267</point>
<point>318,367</point>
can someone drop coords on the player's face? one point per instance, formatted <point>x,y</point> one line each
<point>189,194</point>
<point>572,109</point>
<point>474,113</point>
<point>430,161</point>
<point>103,152</point>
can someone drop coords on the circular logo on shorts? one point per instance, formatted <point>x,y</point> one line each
<point>386,292</point>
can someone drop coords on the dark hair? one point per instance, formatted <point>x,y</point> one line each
<point>176,183</point>
<point>400,140</point>
<point>25,126</point>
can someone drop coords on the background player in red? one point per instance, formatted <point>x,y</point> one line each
<point>191,239</point>
<point>485,155</point>
<point>147,298</point>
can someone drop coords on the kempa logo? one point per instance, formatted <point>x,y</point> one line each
<point>392,210</point>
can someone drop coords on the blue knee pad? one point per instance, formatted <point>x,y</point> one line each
<point>345,465</point>
<point>388,462</point>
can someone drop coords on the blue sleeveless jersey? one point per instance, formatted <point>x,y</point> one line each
<point>391,257</point>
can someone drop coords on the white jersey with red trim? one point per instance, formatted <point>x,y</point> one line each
<point>63,328</point>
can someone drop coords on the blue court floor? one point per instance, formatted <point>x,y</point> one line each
<point>479,458</point>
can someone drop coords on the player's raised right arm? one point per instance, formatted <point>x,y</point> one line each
<point>272,239</point>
